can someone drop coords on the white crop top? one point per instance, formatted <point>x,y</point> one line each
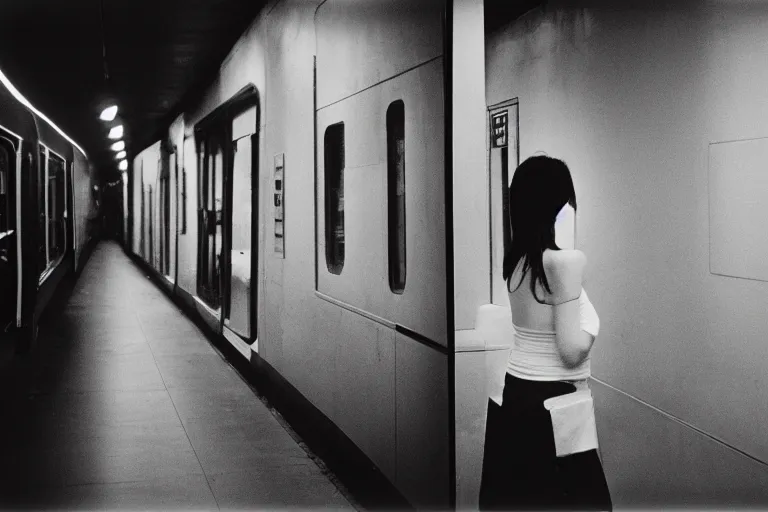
<point>534,356</point>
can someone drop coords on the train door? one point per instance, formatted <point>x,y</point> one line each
<point>210,222</point>
<point>164,214</point>
<point>504,158</point>
<point>8,237</point>
<point>172,215</point>
<point>241,203</point>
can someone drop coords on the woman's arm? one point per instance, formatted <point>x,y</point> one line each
<point>565,271</point>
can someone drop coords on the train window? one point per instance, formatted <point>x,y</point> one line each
<point>334,197</point>
<point>396,194</point>
<point>55,208</point>
<point>4,199</point>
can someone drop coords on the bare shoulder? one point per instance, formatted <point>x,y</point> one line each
<point>565,271</point>
<point>565,259</point>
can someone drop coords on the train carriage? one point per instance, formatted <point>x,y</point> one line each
<point>43,229</point>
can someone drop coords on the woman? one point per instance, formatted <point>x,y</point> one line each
<point>555,328</point>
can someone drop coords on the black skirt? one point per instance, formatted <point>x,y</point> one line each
<point>521,470</point>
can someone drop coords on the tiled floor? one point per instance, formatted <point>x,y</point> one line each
<point>125,405</point>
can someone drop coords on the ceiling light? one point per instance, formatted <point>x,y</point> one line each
<point>120,155</point>
<point>123,165</point>
<point>118,146</point>
<point>109,113</point>
<point>116,132</point>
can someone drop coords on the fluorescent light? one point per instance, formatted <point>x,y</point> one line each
<point>116,132</point>
<point>120,155</point>
<point>123,165</point>
<point>108,113</point>
<point>118,146</point>
<point>16,94</point>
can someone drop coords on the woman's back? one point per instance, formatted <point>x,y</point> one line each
<point>527,312</point>
<point>534,355</point>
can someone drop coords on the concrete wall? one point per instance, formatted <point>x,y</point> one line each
<point>632,100</point>
<point>146,164</point>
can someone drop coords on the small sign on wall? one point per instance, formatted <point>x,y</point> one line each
<point>499,129</point>
<point>278,191</point>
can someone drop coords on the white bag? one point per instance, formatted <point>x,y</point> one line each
<point>573,422</point>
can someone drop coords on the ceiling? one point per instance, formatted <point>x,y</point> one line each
<point>160,57</point>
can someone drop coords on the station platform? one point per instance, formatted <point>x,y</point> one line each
<point>124,404</point>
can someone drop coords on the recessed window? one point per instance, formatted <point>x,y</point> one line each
<point>183,201</point>
<point>334,197</point>
<point>56,169</point>
<point>396,194</point>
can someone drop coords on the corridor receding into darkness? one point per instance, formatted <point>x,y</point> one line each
<point>125,404</point>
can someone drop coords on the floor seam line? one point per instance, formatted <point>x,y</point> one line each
<point>181,422</point>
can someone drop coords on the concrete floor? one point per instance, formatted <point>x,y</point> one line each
<point>125,405</point>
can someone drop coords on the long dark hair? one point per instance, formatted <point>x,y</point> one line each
<point>540,188</point>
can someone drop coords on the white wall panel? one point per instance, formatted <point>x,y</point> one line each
<point>738,200</point>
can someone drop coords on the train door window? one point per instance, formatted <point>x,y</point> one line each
<point>334,197</point>
<point>504,159</point>
<point>183,209</point>
<point>239,285</point>
<point>167,219</point>
<point>150,236</point>
<point>396,195</point>
<point>172,212</point>
<point>164,223</point>
<point>42,231</point>
<point>147,224</point>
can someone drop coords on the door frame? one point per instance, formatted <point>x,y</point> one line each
<point>490,112</point>
<point>13,193</point>
<point>219,121</point>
